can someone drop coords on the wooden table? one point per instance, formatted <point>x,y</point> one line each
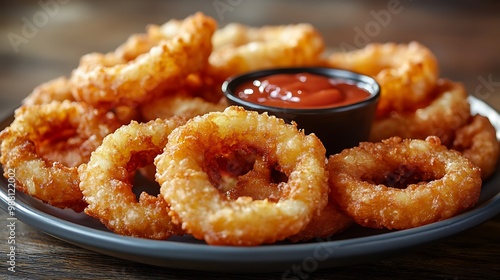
<point>462,34</point>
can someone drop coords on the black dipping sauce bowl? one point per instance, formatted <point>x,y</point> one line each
<point>337,127</point>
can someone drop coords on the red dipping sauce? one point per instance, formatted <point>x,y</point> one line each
<point>302,90</point>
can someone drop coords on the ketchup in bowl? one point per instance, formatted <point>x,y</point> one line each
<point>337,105</point>
<point>301,90</point>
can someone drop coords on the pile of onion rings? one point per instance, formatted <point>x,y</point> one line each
<point>234,177</point>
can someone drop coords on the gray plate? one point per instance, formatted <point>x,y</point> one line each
<point>354,246</point>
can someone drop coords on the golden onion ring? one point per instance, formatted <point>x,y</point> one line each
<point>46,143</point>
<point>400,184</point>
<point>197,202</point>
<point>108,80</point>
<point>107,185</point>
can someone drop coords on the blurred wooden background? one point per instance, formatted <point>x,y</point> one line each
<point>464,34</point>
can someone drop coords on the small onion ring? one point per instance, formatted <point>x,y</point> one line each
<point>400,184</point>
<point>211,216</point>
<point>107,186</point>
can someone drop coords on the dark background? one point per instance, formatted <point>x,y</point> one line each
<point>464,35</point>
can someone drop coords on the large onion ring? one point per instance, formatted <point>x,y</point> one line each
<point>107,186</point>
<point>407,73</point>
<point>399,184</point>
<point>448,111</point>
<point>110,80</point>
<point>206,213</point>
<point>46,143</point>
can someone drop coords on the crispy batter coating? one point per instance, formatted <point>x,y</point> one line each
<point>46,143</point>
<point>189,185</point>
<point>107,185</point>
<point>109,80</point>
<point>448,111</point>
<point>477,141</point>
<point>179,105</point>
<point>407,73</point>
<point>400,184</point>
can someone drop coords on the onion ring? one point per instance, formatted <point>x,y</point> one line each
<point>196,200</point>
<point>407,73</point>
<point>239,48</point>
<point>107,80</point>
<point>46,143</point>
<point>107,186</point>
<point>400,184</point>
<point>448,111</point>
<point>478,142</point>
